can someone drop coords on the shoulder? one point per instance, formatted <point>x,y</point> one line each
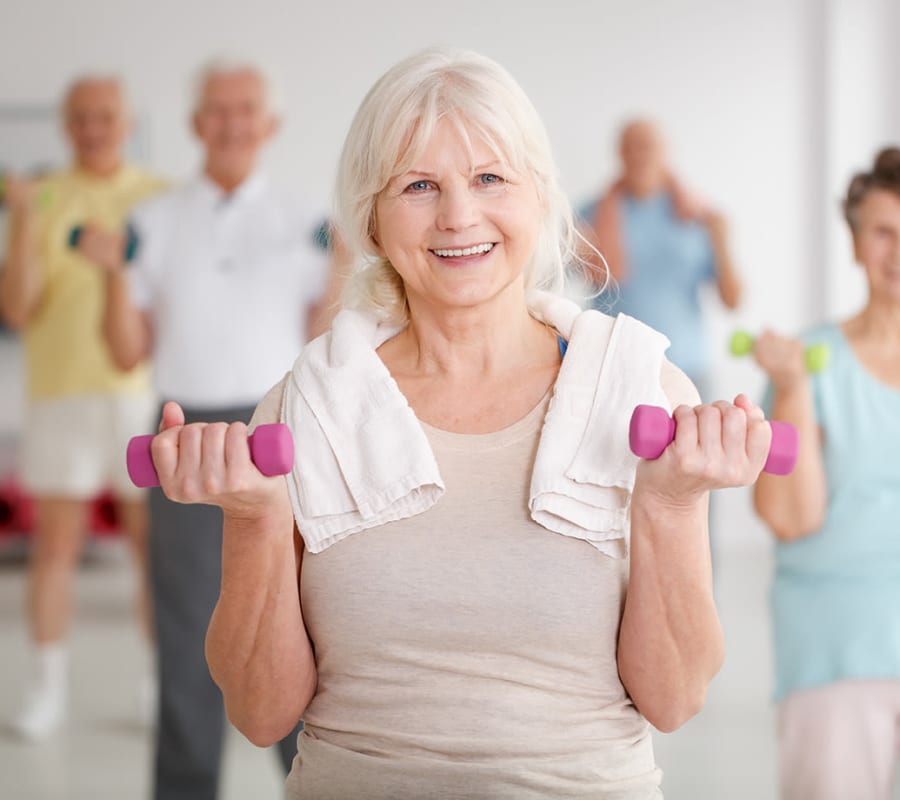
<point>822,332</point>
<point>161,209</point>
<point>309,220</point>
<point>677,386</point>
<point>150,181</point>
<point>269,408</point>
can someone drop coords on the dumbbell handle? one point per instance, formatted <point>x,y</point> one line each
<point>815,356</point>
<point>271,450</point>
<point>652,430</point>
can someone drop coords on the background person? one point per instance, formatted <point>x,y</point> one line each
<point>837,559</point>
<point>81,407</point>
<point>220,297</point>
<point>662,247</point>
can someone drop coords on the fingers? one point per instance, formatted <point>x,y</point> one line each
<point>720,444</point>
<point>172,416</point>
<point>202,462</point>
<point>781,358</point>
<point>750,408</point>
<point>103,248</point>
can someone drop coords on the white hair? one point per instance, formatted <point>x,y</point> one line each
<point>229,65</point>
<point>392,128</point>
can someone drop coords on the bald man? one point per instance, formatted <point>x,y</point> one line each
<point>661,246</point>
<point>81,408</point>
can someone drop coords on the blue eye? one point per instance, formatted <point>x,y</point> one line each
<point>489,177</point>
<point>419,186</point>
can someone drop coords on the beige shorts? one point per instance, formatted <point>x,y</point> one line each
<point>75,446</point>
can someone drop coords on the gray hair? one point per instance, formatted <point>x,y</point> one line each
<point>229,65</point>
<point>392,128</point>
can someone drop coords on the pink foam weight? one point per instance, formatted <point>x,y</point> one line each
<point>271,450</point>
<point>652,430</point>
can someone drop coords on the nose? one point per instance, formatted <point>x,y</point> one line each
<point>457,208</point>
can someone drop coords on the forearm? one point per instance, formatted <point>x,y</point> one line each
<point>794,505</point>
<point>257,647</point>
<point>670,641</point>
<point>729,284</point>
<point>20,283</point>
<point>125,328</point>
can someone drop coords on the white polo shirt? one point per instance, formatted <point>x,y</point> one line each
<point>228,280</point>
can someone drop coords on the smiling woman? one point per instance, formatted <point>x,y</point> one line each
<point>835,594</point>
<point>491,597</point>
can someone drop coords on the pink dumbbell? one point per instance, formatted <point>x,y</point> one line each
<point>652,429</point>
<point>271,450</point>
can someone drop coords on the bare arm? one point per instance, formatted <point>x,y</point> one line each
<point>20,279</point>
<point>728,281</point>
<point>127,329</point>
<point>257,647</point>
<point>670,641</point>
<point>792,506</point>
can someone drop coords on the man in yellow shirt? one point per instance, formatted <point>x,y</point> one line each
<point>81,409</point>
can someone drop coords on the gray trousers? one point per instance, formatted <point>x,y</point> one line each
<point>186,573</point>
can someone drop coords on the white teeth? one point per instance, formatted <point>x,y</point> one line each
<point>466,251</point>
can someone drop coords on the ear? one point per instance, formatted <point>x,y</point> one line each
<point>273,125</point>
<point>373,235</point>
<point>856,253</point>
<point>195,125</point>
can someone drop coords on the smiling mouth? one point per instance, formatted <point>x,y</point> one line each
<point>461,252</point>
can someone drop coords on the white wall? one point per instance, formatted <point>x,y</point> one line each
<point>761,101</point>
<point>861,116</point>
<point>730,82</point>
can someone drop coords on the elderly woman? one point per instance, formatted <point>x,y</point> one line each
<point>836,593</point>
<point>468,586</point>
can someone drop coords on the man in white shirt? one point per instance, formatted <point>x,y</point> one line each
<point>220,297</point>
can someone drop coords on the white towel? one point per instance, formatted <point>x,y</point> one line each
<point>363,459</point>
<point>584,469</point>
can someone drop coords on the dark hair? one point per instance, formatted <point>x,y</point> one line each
<point>885,174</point>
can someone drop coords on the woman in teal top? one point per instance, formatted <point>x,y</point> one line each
<point>836,593</point>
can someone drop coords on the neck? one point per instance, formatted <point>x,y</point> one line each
<point>879,322</point>
<point>226,180</point>
<point>102,170</point>
<point>474,343</point>
<point>643,189</point>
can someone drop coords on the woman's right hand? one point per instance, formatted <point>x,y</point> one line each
<point>782,358</point>
<point>210,463</point>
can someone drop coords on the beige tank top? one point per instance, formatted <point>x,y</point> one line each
<point>468,652</point>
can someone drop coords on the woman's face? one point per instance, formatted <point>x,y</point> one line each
<point>459,233</point>
<point>876,243</point>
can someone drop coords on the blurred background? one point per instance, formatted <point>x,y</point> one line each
<point>768,107</point>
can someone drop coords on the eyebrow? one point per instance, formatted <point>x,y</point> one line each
<point>425,174</point>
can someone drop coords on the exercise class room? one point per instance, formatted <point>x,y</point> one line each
<point>482,401</point>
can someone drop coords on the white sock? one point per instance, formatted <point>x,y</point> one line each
<point>44,709</point>
<point>51,665</point>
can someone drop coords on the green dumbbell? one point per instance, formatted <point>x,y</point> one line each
<point>816,356</point>
<point>131,241</point>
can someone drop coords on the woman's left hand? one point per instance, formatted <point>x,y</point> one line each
<point>716,446</point>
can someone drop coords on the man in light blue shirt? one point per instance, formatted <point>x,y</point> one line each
<point>661,247</point>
